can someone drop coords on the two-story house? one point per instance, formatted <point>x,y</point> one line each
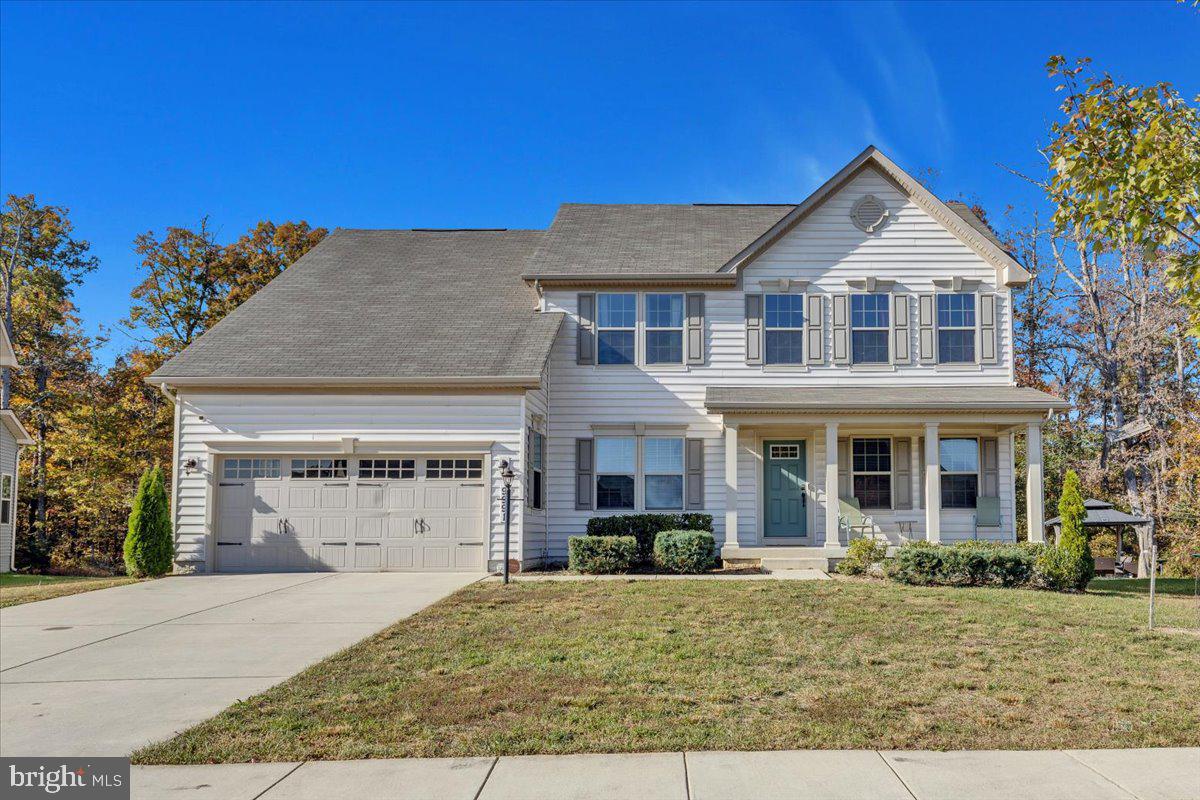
<point>804,373</point>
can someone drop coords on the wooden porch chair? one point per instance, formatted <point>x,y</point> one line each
<point>987,514</point>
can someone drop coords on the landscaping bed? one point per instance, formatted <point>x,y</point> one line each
<point>576,667</point>
<point>16,589</point>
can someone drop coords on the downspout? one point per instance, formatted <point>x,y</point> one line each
<point>174,400</point>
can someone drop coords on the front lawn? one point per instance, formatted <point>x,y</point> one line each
<point>1183,587</point>
<point>575,667</point>
<point>16,589</point>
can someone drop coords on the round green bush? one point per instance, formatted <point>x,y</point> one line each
<point>601,555</point>
<point>685,552</point>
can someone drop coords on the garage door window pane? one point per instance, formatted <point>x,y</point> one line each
<point>442,468</point>
<point>387,468</point>
<point>251,468</point>
<point>318,467</point>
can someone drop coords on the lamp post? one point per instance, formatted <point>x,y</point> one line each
<point>507,475</point>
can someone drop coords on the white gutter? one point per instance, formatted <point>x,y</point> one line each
<point>175,432</point>
<point>481,381</point>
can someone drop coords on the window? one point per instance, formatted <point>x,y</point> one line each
<point>616,323</point>
<point>663,468</point>
<point>871,469</point>
<point>664,329</point>
<point>956,328</point>
<point>869,328</point>
<point>250,468</point>
<point>537,481</point>
<point>616,468</point>
<point>390,468</point>
<point>959,460</point>
<point>454,468</point>
<point>784,323</point>
<point>783,451</point>
<point>6,497</point>
<point>318,467</point>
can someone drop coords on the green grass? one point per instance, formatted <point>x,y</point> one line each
<point>1180,587</point>
<point>576,667</point>
<point>16,589</point>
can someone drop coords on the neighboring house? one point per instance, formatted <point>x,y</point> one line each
<point>12,436</point>
<point>771,365</point>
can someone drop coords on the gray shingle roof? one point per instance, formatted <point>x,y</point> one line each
<point>386,304</point>
<point>1101,514</point>
<point>878,398</point>
<point>972,219</point>
<point>668,239</point>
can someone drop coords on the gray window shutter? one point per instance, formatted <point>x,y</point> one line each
<point>841,329</point>
<point>926,336</point>
<point>902,473</point>
<point>585,339</point>
<point>988,347</point>
<point>754,329</point>
<point>694,480</point>
<point>989,461</point>
<point>814,348</point>
<point>527,467</point>
<point>901,341</point>
<point>845,487</point>
<point>583,475</point>
<point>695,329</point>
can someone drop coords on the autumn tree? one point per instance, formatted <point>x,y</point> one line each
<point>259,255</point>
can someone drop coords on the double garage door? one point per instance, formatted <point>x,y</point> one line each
<point>360,513</point>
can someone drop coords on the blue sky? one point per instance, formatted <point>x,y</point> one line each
<point>372,115</point>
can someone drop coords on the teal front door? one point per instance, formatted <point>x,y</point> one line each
<point>785,511</point>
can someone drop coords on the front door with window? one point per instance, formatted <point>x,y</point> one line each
<point>785,507</point>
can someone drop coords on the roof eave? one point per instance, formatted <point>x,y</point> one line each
<point>325,382</point>
<point>567,280</point>
<point>750,407</point>
<point>13,423</point>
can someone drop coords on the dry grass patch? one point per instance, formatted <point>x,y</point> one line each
<point>17,589</point>
<point>720,665</point>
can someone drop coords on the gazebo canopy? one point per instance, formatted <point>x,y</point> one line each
<point>1102,515</point>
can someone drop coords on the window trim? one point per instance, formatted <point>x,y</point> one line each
<point>637,318</point>
<point>8,482</point>
<point>891,454</point>
<point>644,305</point>
<point>886,328</point>
<point>943,472</point>
<point>802,330</point>
<point>639,471</point>
<point>938,328</point>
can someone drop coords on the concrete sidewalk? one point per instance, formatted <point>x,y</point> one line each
<point>1157,774</point>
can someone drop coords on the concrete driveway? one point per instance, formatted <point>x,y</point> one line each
<point>103,673</point>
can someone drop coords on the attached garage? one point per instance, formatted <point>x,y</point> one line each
<point>396,512</point>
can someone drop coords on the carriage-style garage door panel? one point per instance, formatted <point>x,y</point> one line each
<point>293,513</point>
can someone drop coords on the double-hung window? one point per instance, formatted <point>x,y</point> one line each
<point>959,461</point>
<point>872,472</point>
<point>956,328</point>
<point>663,467</point>
<point>6,498</point>
<point>784,328</point>
<point>664,329</point>
<point>869,323</point>
<point>616,328</point>
<point>616,471</point>
<point>537,481</point>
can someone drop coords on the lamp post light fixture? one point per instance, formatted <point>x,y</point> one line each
<point>507,475</point>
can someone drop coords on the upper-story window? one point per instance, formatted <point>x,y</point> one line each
<point>869,323</point>
<point>616,328</point>
<point>664,329</point>
<point>956,328</point>
<point>784,328</point>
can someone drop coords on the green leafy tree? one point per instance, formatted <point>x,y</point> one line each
<point>1068,566</point>
<point>148,544</point>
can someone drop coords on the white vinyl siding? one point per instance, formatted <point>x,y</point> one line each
<point>8,467</point>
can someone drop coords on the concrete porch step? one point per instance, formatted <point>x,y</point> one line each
<point>784,563</point>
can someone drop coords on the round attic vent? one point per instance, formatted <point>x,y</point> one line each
<point>869,213</point>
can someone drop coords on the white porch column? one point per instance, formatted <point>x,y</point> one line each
<point>933,485</point>
<point>832,534</point>
<point>731,485</point>
<point>1034,483</point>
<point>915,469</point>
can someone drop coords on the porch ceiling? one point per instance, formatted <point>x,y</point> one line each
<point>875,399</point>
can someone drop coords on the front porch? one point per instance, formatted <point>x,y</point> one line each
<point>802,481</point>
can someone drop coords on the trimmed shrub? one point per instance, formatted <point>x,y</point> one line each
<point>601,555</point>
<point>148,543</point>
<point>966,564</point>
<point>919,563</point>
<point>685,552</point>
<point>644,527</point>
<point>1012,565</point>
<point>861,556</point>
